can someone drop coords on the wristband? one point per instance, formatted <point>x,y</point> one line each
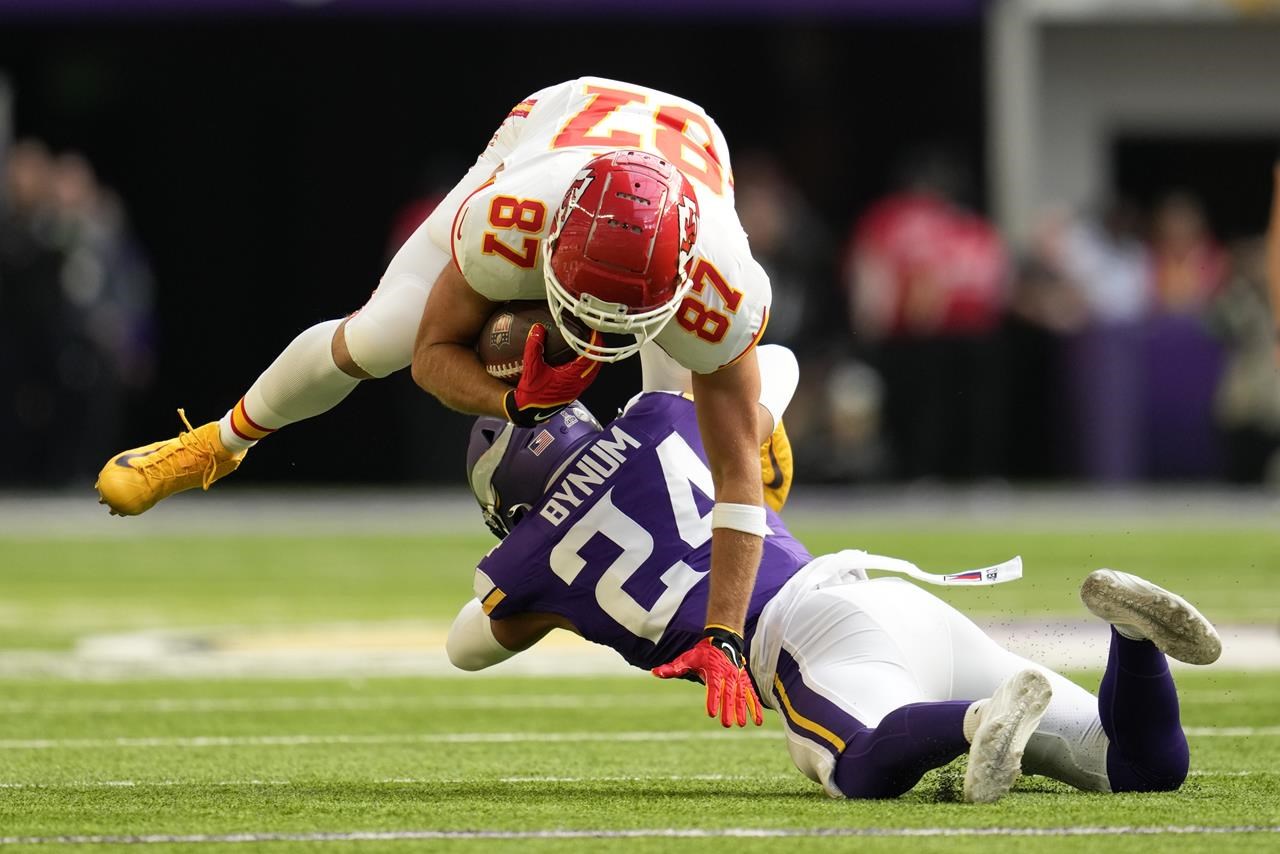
<point>727,641</point>
<point>530,416</point>
<point>747,518</point>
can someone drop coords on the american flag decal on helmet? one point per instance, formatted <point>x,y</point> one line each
<point>541,442</point>
<point>974,575</point>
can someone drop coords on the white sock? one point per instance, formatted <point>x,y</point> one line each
<point>302,382</point>
<point>970,727</point>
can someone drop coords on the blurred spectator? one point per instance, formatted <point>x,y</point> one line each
<point>1188,265</point>
<point>1044,307</point>
<point>1183,361</point>
<point>928,285</point>
<point>75,316</point>
<point>1247,403</point>
<point>1273,256</point>
<point>789,241</point>
<point>1108,265</point>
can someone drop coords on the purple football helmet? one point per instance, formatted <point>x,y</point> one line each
<point>509,467</point>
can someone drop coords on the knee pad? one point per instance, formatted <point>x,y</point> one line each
<point>380,335</point>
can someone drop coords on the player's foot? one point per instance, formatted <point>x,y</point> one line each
<point>1005,724</point>
<point>131,482</point>
<point>1142,611</point>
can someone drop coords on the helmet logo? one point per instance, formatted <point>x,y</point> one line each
<point>581,182</point>
<point>688,213</point>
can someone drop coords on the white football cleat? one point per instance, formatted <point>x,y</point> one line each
<point>1005,724</point>
<point>1142,611</point>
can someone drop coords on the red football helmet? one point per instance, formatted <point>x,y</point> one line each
<point>619,252</point>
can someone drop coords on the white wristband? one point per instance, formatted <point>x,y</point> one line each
<point>747,518</point>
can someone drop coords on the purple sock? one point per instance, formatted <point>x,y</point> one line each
<point>885,761</point>
<point>1138,705</point>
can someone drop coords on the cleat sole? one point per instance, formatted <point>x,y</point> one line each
<point>1166,619</point>
<point>1008,721</point>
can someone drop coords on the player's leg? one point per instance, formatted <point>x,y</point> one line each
<point>1129,738</point>
<point>314,373</point>
<point>864,718</point>
<point>1069,743</point>
<point>1137,701</point>
<point>324,364</point>
<point>853,757</point>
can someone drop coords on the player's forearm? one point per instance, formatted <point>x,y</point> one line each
<point>453,374</point>
<point>727,414</point>
<point>735,557</point>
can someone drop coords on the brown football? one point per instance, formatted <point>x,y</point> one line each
<point>501,342</point>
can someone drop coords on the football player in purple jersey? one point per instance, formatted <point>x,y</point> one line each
<point>606,533</point>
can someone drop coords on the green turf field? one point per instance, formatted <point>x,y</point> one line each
<point>483,755</point>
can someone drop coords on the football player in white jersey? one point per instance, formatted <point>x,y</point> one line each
<point>614,203</point>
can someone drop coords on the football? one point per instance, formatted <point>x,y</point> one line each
<point>501,342</point>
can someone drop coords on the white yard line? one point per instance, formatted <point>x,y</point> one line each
<point>326,703</point>
<point>205,741</point>
<point>645,833</point>
<point>400,781</point>
<point>453,781</point>
<point>399,738</point>
<point>1231,731</point>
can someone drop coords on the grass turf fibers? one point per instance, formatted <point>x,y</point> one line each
<point>63,773</point>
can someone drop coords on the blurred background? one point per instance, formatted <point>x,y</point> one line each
<point>1009,241</point>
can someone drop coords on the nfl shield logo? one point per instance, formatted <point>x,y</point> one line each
<point>541,442</point>
<point>500,334</point>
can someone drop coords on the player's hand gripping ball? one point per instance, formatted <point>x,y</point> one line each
<point>502,340</point>
<point>546,374</point>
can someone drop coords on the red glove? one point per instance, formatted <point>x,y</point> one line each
<point>718,663</point>
<point>545,389</point>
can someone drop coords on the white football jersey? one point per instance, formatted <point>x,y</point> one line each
<point>496,221</point>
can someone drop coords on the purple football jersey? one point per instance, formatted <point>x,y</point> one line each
<point>620,544</point>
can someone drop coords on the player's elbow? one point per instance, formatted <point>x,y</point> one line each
<point>466,659</point>
<point>464,652</point>
<point>471,644</point>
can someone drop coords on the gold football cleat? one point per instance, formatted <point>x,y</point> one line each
<point>777,468</point>
<point>131,482</point>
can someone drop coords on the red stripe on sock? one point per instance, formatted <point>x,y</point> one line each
<point>238,431</point>
<point>265,431</point>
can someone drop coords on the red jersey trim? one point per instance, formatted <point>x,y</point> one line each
<point>522,109</point>
<point>454,227</point>
<point>755,339</point>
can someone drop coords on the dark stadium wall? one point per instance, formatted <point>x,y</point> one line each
<point>264,161</point>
